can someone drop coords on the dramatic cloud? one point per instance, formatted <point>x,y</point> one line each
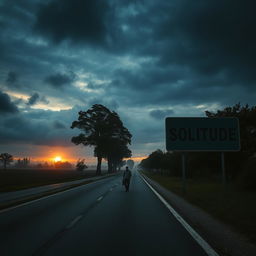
<point>35,128</point>
<point>6,105</point>
<point>211,37</point>
<point>33,99</point>
<point>58,125</point>
<point>58,80</point>
<point>76,20</point>
<point>144,59</point>
<point>161,114</point>
<point>12,78</point>
<point>36,98</point>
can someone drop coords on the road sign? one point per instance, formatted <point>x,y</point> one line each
<point>202,134</point>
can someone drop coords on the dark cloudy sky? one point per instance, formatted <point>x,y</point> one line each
<point>145,59</point>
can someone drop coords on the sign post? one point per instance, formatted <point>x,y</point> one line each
<point>186,134</point>
<point>224,180</point>
<point>183,173</point>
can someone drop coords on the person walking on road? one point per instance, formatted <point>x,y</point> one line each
<point>126,178</point>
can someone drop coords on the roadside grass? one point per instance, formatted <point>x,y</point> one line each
<point>16,179</point>
<point>232,206</point>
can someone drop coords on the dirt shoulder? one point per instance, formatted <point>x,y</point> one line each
<point>224,238</point>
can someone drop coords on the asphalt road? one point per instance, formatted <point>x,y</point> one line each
<point>96,219</point>
<point>21,194</point>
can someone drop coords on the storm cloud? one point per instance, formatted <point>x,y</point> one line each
<point>161,113</point>
<point>33,99</point>
<point>144,59</point>
<point>58,80</point>
<point>83,21</point>
<point>6,105</point>
<point>12,78</point>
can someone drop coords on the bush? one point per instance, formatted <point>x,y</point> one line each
<point>247,180</point>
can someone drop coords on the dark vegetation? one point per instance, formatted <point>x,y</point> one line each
<point>15,179</point>
<point>103,130</point>
<point>240,166</point>
<point>6,159</point>
<point>63,165</point>
<point>80,165</point>
<point>22,162</point>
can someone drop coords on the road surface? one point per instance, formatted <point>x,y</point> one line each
<point>24,193</point>
<point>96,219</point>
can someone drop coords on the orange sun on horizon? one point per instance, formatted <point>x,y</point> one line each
<point>57,159</point>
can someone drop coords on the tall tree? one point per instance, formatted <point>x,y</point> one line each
<point>6,159</point>
<point>102,129</point>
<point>117,152</point>
<point>247,121</point>
<point>116,148</point>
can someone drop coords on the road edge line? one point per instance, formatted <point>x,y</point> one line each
<point>206,247</point>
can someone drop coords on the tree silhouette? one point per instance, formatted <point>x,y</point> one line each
<point>63,165</point>
<point>80,165</point>
<point>6,159</point>
<point>103,130</point>
<point>22,163</point>
<point>247,121</point>
<point>117,151</point>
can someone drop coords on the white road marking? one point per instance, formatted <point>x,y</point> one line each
<point>100,198</point>
<point>207,248</point>
<point>73,222</point>
<point>45,197</point>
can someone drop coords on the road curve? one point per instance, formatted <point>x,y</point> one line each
<point>96,219</point>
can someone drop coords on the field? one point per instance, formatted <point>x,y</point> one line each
<point>15,179</point>
<point>235,207</point>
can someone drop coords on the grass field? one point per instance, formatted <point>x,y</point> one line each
<point>15,179</point>
<point>232,206</point>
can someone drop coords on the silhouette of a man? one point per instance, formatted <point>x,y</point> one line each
<point>126,178</point>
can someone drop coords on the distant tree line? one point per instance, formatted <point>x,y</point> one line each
<point>240,166</point>
<point>22,162</point>
<point>6,159</point>
<point>103,129</point>
<point>80,165</point>
<point>62,165</point>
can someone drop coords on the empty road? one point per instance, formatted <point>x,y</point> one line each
<point>96,219</point>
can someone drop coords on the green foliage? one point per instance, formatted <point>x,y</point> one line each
<point>203,164</point>
<point>158,161</point>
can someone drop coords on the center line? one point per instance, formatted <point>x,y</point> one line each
<point>100,198</point>
<point>73,222</point>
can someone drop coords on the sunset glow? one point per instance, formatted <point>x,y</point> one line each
<point>57,159</point>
